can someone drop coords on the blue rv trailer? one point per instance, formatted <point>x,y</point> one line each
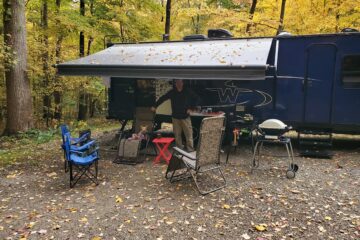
<point>309,82</point>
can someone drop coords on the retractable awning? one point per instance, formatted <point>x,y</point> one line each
<point>231,59</point>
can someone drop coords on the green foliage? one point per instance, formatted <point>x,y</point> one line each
<point>36,136</point>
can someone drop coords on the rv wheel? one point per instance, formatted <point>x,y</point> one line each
<point>290,174</point>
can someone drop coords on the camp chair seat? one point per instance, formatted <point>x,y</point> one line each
<point>79,160</point>
<point>189,158</point>
<point>205,161</point>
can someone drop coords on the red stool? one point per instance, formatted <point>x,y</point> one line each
<point>162,145</point>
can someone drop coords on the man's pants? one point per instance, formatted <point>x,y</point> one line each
<point>183,125</point>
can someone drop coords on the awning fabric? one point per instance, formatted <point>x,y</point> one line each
<point>231,59</point>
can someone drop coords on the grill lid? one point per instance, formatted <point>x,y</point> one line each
<point>273,124</point>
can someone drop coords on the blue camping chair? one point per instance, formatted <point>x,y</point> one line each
<point>80,159</point>
<point>75,143</point>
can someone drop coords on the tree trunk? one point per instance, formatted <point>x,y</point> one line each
<point>251,16</point>
<point>167,21</point>
<point>91,39</point>
<point>57,93</point>
<point>195,21</point>
<point>82,38</point>
<point>162,16</point>
<point>282,14</point>
<point>337,16</point>
<point>82,114</point>
<point>122,30</point>
<point>45,62</point>
<point>89,95</point>
<point>18,93</point>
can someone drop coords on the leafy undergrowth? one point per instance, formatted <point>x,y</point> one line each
<point>34,145</point>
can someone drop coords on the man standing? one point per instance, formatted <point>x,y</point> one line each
<point>182,101</point>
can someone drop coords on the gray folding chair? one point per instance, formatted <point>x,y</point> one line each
<point>205,160</point>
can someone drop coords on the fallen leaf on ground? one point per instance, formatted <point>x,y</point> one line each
<point>73,210</point>
<point>261,227</point>
<point>10,176</point>
<point>245,236</point>
<point>56,227</point>
<point>201,229</point>
<point>53,174</point>
<point>42,231</point>
<point>321,229</point>
<point>118,199</point>
<point>30,225</point>
<point>226,206</point>
<point>80,235</point>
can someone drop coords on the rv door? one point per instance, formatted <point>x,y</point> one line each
<point>318,84</point>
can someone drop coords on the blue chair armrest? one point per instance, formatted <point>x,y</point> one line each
<point>80,139</point>
<point>86,146</point>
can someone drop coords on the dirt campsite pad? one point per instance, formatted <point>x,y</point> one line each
<point>137,202</point>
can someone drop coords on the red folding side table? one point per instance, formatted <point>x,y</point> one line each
<point>162,145</point>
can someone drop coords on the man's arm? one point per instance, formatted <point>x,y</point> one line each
<point>162,99</point>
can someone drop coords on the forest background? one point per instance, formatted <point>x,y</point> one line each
<point>55,31</point>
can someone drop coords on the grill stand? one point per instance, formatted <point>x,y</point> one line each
<point>286,141</point>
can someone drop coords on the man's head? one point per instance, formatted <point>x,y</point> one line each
<point>179,84</point>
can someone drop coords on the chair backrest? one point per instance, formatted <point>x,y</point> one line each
<point>210,139</point>
<point>64,129</point>
<point>144,117</point>
<point>66,144</point>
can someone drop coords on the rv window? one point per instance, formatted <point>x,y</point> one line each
<point>145,96</point>
<point>351,71</point>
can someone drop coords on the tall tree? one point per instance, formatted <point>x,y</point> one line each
<point>45,61</point>
<point>337,15</point>
<point>18,94</point>
<point>251,16</point>
<point>282,14</point>
<point>195,20</point>
<point>82,113</point>
<point>167,20</point>
<point>59,39</point>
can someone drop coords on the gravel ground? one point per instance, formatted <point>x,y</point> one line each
<point>137,202</point>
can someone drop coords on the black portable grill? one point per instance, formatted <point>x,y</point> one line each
<point>272,131</point>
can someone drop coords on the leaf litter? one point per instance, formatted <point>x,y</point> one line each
<point>322,202</point>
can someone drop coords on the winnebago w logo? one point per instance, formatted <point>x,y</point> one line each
<point>230,94</point>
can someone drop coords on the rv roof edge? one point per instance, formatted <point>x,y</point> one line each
<point>194,37</point>
<point>255,72</point>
